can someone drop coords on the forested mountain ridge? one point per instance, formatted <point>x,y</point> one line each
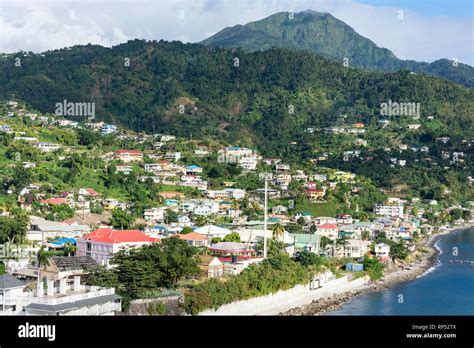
<point>225,92</point>
<point>324,34</point>
<point>265,100</point>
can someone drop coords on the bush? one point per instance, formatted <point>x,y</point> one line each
<point>96,209</point>
<point>374,268</point>
<point>269,276</point>
<point>160,308</point>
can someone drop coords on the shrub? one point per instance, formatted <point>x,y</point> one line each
<point>160,308</point>
<point>269,276</point>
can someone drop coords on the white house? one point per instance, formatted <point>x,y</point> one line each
<point>233,153</point>
<point>184,221</point>
<point>213,231</point>
<point>108,129</point>
<point>152,167</point>
<point>166,138</point>
<point>382,250</point>
<point>280,167</point>
<point>172,156</point>
<point>248,163</point>
<point>125,169</point>
<point>328,230</point>
<point>193,170</point>
<point>217,194</point>
<point>41,229</point>
<point>235,193</point>
<point>154,214</point>
<point>393,207</point>
<point>194,239</point>
<point>356,248</point>
<point>46,147</point>
<point>127,156</point>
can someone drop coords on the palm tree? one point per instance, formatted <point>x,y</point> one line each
<point>70,248</point>
<point>43,259</point>
<point>278,231</point>
<point>201,220</point>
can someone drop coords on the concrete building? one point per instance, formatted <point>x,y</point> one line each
<point>46,147</point>
<point>154,214</point>
<point>382,250</point>
<point>128,156</point>
<point>104,242</point>
<point>356,248</point>
<point>41,229</point>
<point>393,207</point>
<point>60,298</point>
<point>108,129</point>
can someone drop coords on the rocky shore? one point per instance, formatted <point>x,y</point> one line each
<point>395,275</point>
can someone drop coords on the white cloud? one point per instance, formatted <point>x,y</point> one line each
<point>43,25</point>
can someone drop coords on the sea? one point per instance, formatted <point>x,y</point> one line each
<point>445,289</point>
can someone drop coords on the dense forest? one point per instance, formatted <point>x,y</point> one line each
<point>326,35</point>
<point>266,100</point>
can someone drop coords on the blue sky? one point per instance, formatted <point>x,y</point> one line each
<point>455,8</point>
<point>429,29</point>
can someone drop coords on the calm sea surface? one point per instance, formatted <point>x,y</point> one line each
<point>446,289</point>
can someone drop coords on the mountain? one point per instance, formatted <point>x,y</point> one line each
<point>277,101</point>
<point>324,34</point>
<point>248,102</point>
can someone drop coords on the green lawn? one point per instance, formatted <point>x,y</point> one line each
<point>318,209</point>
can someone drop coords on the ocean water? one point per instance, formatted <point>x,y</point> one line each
<point>445,289</point>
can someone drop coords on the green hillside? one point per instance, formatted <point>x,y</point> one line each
<point>324,34</point>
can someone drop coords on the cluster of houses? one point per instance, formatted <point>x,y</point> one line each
<point>65,295</point>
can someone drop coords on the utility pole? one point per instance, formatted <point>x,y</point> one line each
<point>265,219</point>
<point>318,242</point>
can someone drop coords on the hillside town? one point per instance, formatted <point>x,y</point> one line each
<point>86,192</point>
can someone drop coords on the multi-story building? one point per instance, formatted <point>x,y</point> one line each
<point>104,242</point>
<point>154,214</point>
<point>235,193</point>
<point>193,170</point>
<point>356,248</point>
<point>248,163</point>
<point>152,167</point>
<point>128,155</point>
<point>108,129</point>
<point>392,207</point>
<point>63,299</point>
<point>42,230</point>
<point>46,147</point>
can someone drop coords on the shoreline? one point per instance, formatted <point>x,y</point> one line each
<point>395,275</point>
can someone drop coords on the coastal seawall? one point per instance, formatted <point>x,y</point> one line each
<point>395,276</point>
<point>285,300</point>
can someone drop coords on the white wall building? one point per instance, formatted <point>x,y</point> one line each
<point>46,147</point>
<point>104,242</point>
<point>64,299</point>
<point>154,214</point>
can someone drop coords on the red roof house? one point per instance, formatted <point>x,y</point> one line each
<point>104,242</point>
<point>328,230</point>
<point>54,201</point>
<point>111,236</point>
<point>128,155</point>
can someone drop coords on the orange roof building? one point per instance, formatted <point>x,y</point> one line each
<point>194,239</point>
<point>171,194</point>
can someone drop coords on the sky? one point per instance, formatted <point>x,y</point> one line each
<point>422,30</point>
